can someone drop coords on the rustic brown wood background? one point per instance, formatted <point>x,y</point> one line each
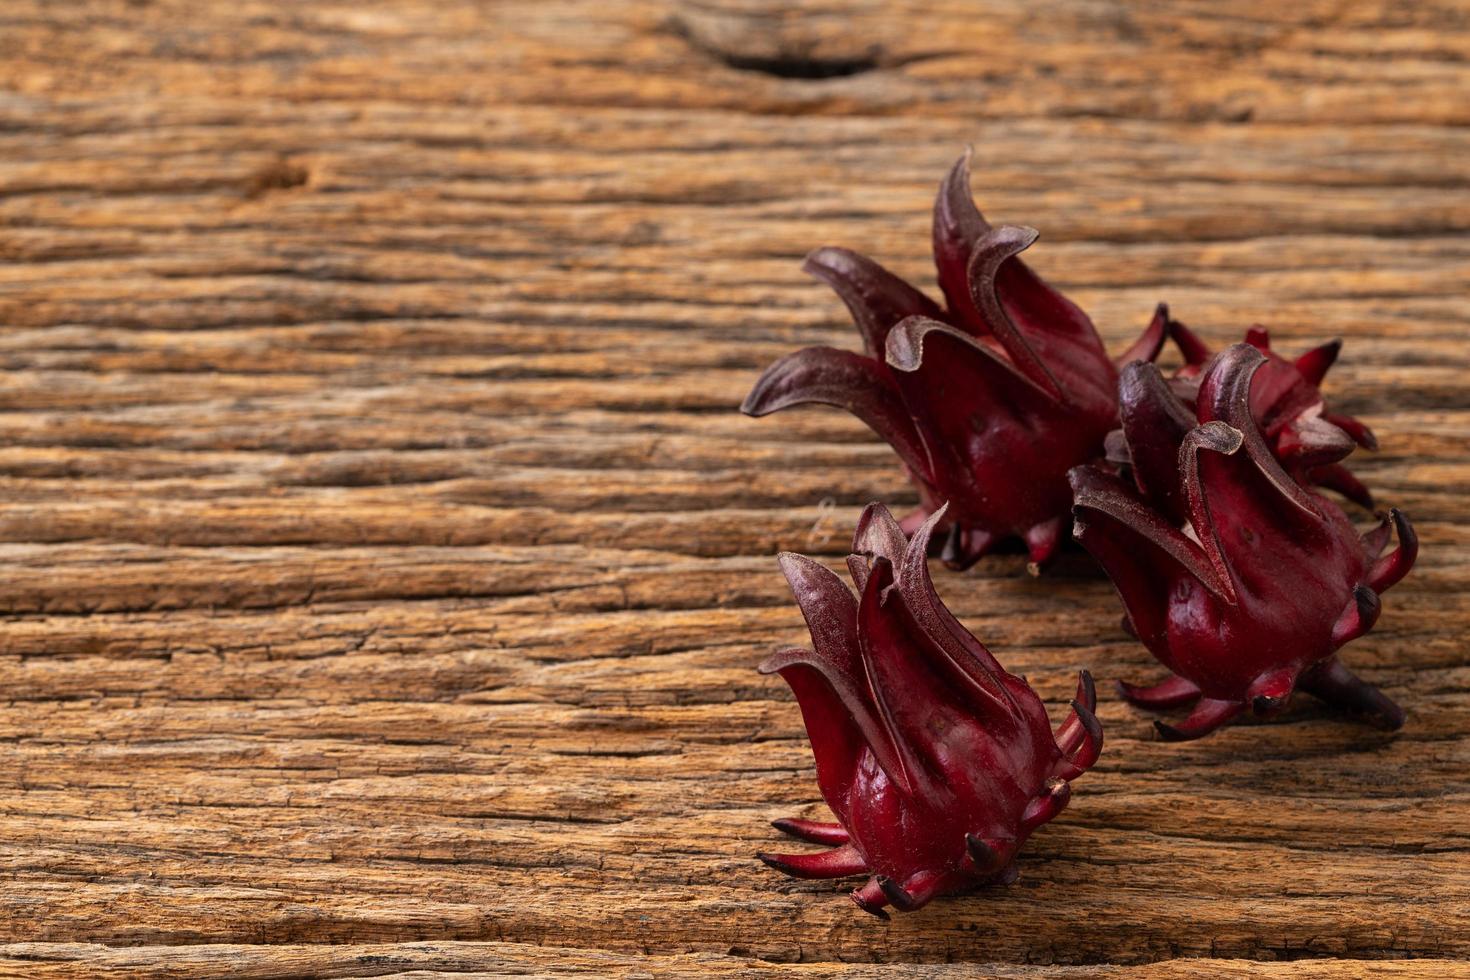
<point>384,563</point>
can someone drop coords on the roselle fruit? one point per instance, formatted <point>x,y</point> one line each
<point>936,762</point>
<point>989,400</point>
<point>1238,578</point>
<point>1285,396</point>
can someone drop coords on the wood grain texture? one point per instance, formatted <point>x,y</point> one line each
<point>384,564</point>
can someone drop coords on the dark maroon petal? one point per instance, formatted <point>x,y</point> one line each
<point>1029,297</point>
<point>964,546</point>
<point>1195,351</point>
<point>1361,434</point>
<point>1142,553</point>
<point>1115,450</point>
<point>905,689</point>
<point>870,898</point>
<point>876,297</point>
<point>827,605</point>
<point>879,536</point>
<point>1172,693</point>
<point>1237,491</point>
<point>1148,345</point>
<point>1375,540</point>
<point>1216,438</point>
<point>1308,442</point>
<point>1088,749</point>
<point>840,721</point>
<point>1048,336</point>
<point>1052,800</point>
<point>1070,732</point>
<point>970,663</point>
<point>969,402</point>
<point>915,892</point>
<point>1314,363</point>
<point>1208,715</point>
<point>832,834</point>
<point>958,225</point>
<point>825,696</point>
<point>988,855</point>
<point>1043,541</point>
<point>850,381</point>
<point>1155,422</point>
<point>970,371</point>
<point>837,863</point>
<point>1224,396</point>
<point>1337,477</point>
<point>831,614</point>
<point>1389,570</point>
<point>1359,616</point>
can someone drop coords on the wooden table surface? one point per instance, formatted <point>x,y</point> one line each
<point>385,564</point>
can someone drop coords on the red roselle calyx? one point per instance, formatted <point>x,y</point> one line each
<point>987,401</point>
<point>936,762</point>
<point>1236,577</point>
<point>1286,398</point>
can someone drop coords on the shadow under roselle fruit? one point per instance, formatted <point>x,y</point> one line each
<point>988,401</point>
<point>1236,577</point>
<point>1286,396</point>
<point>937,763</point>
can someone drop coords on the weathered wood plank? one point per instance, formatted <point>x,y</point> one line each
<point>460,959</point>
<point>383,563</point>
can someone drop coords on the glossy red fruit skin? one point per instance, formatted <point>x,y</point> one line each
<point>988,401</point>
<point>1236,577</point>
<point>1285,397</point>
<point>937,763</point>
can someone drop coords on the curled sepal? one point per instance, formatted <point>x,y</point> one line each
<point>1033,305</point>
<point>916,891</point>
<point>1335,476</point>
<point>1159,422</point>
<point>812,831</point>
<point>1050,802</point>
<point>836,863</point>
<point>1390,569</point>
<point>839,722</point>
<point>958,225</point>
<point>1286,402</point>
<point>850,381</point>
<point>1150,342</point>
<point>1208,715</point>
<point>1175,692</point>
<point>876,298</point>
<point>1089,745</point>
<point>1149,560</point>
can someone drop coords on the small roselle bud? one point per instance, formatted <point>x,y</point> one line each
<point>1286,398</point>
<point>987,401</point>
<point>936,762</point>
<point>1235,576</point>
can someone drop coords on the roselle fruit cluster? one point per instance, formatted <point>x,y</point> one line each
<point>936,762</point>
<point>1234,574</point>
<point>988,401</point>
<point>1198,494</point>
